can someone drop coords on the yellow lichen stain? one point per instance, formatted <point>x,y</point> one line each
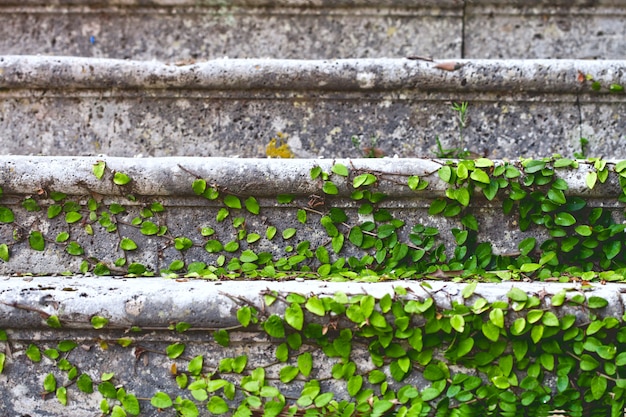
<point>278,147</point>
<point>391,30</point>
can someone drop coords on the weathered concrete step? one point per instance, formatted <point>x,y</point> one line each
<point>78,222</point>
<point>82,106</point>
<point>155,305</point>
<point>173,30</point>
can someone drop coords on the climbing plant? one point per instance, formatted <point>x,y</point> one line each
<point>477,357</point>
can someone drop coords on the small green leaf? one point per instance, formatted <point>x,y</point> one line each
<point>289,233</point>
<point>340,169</point>
<point>174,350</point>
<point>252,205</point>
<point>54,322</point>
<point>99,322</point>
<point>288,374</point>
<point>274,327</point>
<point>36,241</point>
<point>305,363</point>
<point>161,400</point>
<point>148,228</point>
<point>128,244</point>
<point>6,215</point>
<point>588,362</point>
<point>564,219</point>
<point>222,337</point>
<point>72,217</point>
<point>458,323</point>
<point>591,179</point>
<point>518,295</point>
<point>119,178</point>
<point>49,383</point>
<point>4,252</point>
<point>98,169</point>
<point>294,316</point>
<point>217,405</point>
<point>85,383</point>
<point>597,302</point>
<point>232,201</point>
<point>33,353</point>
<point>530,267</point>
<point>330,188</point>
<point>480,176</point>
<point>315,306</point>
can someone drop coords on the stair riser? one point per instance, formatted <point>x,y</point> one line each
<point>72,106</point>
<point>296,29</point>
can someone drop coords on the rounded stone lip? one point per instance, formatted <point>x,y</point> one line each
<point>262,177</point>
<point>283,75</point>
<point>159,302</point>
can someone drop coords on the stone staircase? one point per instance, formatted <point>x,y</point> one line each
<point>108,110</point>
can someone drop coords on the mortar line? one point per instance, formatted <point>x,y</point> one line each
<point>463,21</point>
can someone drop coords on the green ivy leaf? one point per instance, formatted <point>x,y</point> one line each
<point>288,374</point>
<point>50,383</point>
<point>99,322</point>
<point>515,294</point>
<point>305,363</point>
<point>363,180</point>
<point>598,386</point>
<point>33,353</point>
<point>4,252</point>
<point>480,176</point>
<point>85,383</point>
<point>597,302</point>
<point>496,316</point>
<point>54,322</point>
<point>564,219</point>
<point>355,382</point>
<point>217,405</point>
<point>289,233</point>
<point>119,178</point>
<point>340,169</point>
<point>315,306</point>
<point>458,323</point>
<point>148,228</point>
<point>252,205</point>
<point>588,362</point>
<point>294,316</point>
<point>161,400</point>
<point>174,350</point>
<point>464,347</point>
<point>330,188</point>
<point>244,315</point>
<point>590,179</point>
<point>131,404</point>
<point>127,244</point>
<point>6,215</point>
<point>98,169</point>
<point>274,327</point>
<point>36,241</point>
<point>232,201</point>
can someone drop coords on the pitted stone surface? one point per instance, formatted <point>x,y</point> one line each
<point>191,30</point>
<point>545,29</point>
<point>74,106</point>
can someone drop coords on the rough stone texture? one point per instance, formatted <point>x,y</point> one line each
<point>154,304</point>
<point>168,181</point>
<point>77,106</point>
<point>545,29</point>
<point>181,30</point>
<point>192,30</point>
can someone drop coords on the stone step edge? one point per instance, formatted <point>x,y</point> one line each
<point>274,75</point>
<point>173,176</point>
<point>159,302</point>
